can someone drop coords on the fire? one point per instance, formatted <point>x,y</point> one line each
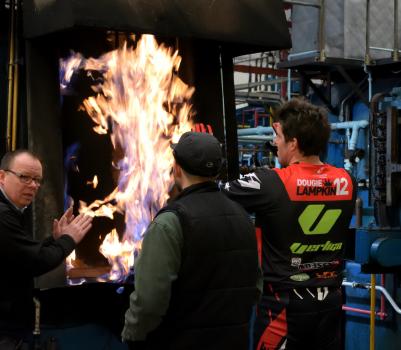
<point>144,107</point>
<point>94,182</point>
<point>119,254</point>
<point>69,261</point>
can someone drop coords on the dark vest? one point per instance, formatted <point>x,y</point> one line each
<point>215,290</point>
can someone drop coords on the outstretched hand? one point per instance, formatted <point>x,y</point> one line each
<point>78,227</point>
<point>75,227</point>
<point>60,225</point>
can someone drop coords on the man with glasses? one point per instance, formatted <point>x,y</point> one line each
<point>21,257</point>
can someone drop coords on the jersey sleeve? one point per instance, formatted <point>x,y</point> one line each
<point>253,191</point>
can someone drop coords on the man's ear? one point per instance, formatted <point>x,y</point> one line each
<point>2,175</point>
<point>294,144</point>
<point>177,171</point>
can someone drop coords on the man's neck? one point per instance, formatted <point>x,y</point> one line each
<point>193,182</point>
<point>315,160</point>
<point>11,202</point>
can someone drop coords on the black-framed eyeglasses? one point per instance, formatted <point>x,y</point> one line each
<point>25,179</point>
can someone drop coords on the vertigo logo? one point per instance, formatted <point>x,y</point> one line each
<point>310,224</point>
<point>299,248</point>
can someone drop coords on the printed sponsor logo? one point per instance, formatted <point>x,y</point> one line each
<point>296,261</point>
<point>310,182</point>
<point>299,248</point>
<point>316,191</point>
<point>320,187</point>
<point>317,265</point>
<point>250,181</point>
<point>300,277</point>
<point>307,220</point>
<point>326,274</point>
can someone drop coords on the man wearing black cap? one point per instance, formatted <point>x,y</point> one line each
<point>195,278</point>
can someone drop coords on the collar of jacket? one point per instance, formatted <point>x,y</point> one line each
<point>208,186</point>
<point>5,199</point>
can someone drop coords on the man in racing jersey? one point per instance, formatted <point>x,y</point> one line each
<point>303,212</point>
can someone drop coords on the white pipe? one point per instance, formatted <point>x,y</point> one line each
<point>256,138</point>
<point>370,85</point>
<point>289,84</point>
<point>259,130</point>
<point>367,71</point>
<point>300,55</point>
<point>355,126</point>
<point>382,49</point>
<point>379,288</point>
<point>349,125</point>
<point>352,137</point>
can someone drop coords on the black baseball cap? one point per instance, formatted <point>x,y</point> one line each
<point>198,154</point>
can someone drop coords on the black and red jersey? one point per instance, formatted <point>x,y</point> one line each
<point>303,212</point>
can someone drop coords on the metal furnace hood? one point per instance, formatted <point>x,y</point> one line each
<point>249,22</point>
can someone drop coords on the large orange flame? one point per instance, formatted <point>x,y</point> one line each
<point>144,107</point>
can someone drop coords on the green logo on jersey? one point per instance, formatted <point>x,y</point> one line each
<point>307,220</point>
<point>299,248</point>
<point>301,277</point>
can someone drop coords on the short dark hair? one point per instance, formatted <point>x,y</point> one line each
<point>8,158</point>
<point>307,123</point>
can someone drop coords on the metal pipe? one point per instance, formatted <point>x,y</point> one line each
<point>367,37</point>
<point>15,82</point>
<point>322,56</point>
<point>302,3</point>
<point>354,135</point>
<point>303,54</point>
<point>289,85</point>
<point>223,105</point>
<point>382,49</point>
<point>257,138</point>
<point>382,301</point>
<point>389,298</point>
<point>381,289</point>
<point>363,311</point>
<point>369,83</point>
<point>15,109</point>
<point>36,330</point>
<point>10,78</point>
<point>395,54</point>
<point>259,83</point>
<point>355,309</point>
<point>355,126</point>
<point>372,311</point>
<point>353,138</point>
<point>341,115</point>
<point>260,130</point>
<point>259,95</point>
<point>258,100</point>
<point>358,212</point>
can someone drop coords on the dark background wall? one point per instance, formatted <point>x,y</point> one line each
<point>3,76</point>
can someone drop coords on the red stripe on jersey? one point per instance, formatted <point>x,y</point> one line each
<point>315,183</point>
<point>258,232</point>
<point>274,333</point>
